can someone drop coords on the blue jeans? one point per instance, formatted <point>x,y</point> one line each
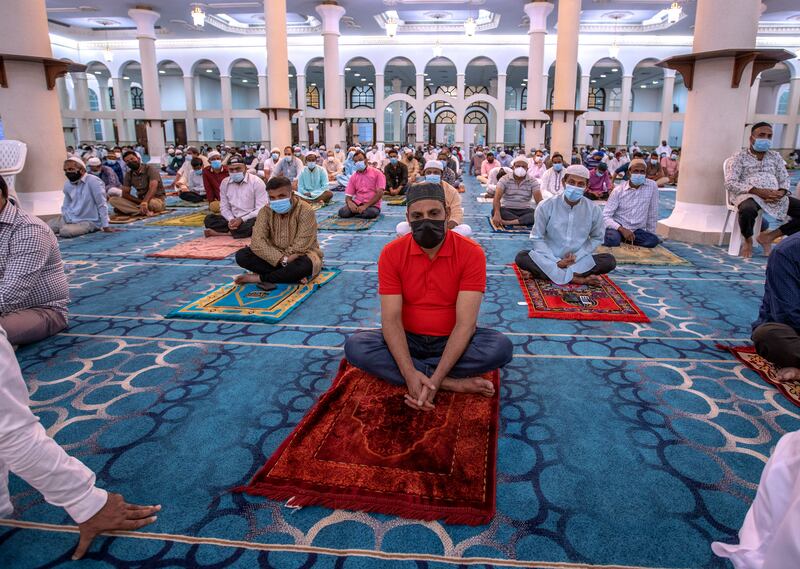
<point>641,238</point>
<point>487,351</point>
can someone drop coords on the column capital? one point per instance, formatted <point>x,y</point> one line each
<point>669,73</point>
<point>537,14</point>
<point>145,22</point>
<point>331,15</point>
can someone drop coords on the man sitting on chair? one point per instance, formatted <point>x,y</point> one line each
<point>568,229</point>
<point>364,191</point>
<point>631,213</point>
<point>513,196</point>
<point>431,284</point>
<point>757,179</point>
<point>242,195</point>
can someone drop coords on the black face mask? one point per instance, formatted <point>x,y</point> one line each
<point>134,165</point>
<point>73,176</point>
<point>428,233</point>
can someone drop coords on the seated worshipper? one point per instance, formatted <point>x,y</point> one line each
<point>64,481</point>
<point>513,196</point>
<point>776,333</point>
<point>290,165</point>
<point>593,159</point>
<point>537,167</point>
<point>551,180</point>
<point>312,184</point>
<point>364,191</point>
<point>568,229</point>
<point>756,179</point>
<point>600,184</point>
<point>241,197</point>
<point>33,287</point>
<point>284,248</point>
<point>183,179</point>
<point>348,167</point>
<point>412,165</point>
<point>332,166</point>
<point>477,161</point>
<point>213,176</point>
<point>671,166</point>
<point>455,213</point>
<point>495,176</point>
<point>111,185</point>
<point>145,180</point>
<point>505,159</point>
<point>431,154</point>
<point>192,188</point>
<point>663,150</point>
<point>114,161</point>
<point>84,209</point>
<point>448,174</point>
<point>175,162</point>
<point>631,213</point>
<point>429,339</point>
<point>396,174</point>
<point>486,167</point>
<point>655,172</point>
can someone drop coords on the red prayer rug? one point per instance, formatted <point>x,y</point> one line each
<point>748,356</point>
<point>211,248</point>
<point>578,302</point>
<point>361,448</point>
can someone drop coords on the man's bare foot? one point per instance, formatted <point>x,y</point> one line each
<point>747,248</point>
<point>591,280</point>
<point>212,233</point>
<point>248,278</point>
<point>468,385</point>
<point>304,280</point>
<point>765,239</point>
<point>789,374</point>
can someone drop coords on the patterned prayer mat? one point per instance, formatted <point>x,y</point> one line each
<point>631,255</point>
<point>194,219</point>
<point>120,219</point>
<point>508,228</point>
<point>578,302</point>
<point>249,303</point>
<point>318,205</point>
<point>748,356</point>
<point>175,201</point>
<point>394,200</point>
<point>336,223</point>
<point>211,248</point>
<point>361,448</point>
<point>483,199</point>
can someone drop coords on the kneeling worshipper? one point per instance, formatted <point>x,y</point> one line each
<point>193,189</point>
<point>364,191</point>
<point>33,287</point>
<point>396,174</point>
<point>551,180</point>
<point>455,212</point>
<point>106,174</point>
<point>776,333</point>
<point>431,284</point>
<point>568,229</point>
<point>757,179</point>
<point>145,181</point>
<point>84,209</point>
<point>284,248</point>
<point>515,196</point>
<point>64,481</point>
<point>312,184</point>
<point>600,184</point>
<point>241,197</point>
<point>631,213</point>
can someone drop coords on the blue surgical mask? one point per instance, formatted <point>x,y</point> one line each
<point>198,172</point>
<point>638,179</point>
<point>237,177</point>
<point>287,159</point>
<point>433,178</point>
<point>673,157</point>
<point>654,161</point>
<point>762,144</point>
<point>361,166</point>
<point>573,193</point>
<point>281,206</point>
<point>275,155</point>
<point>393,161</point>
<point>599,172</point>
<point>110,162</point>
<point>558,167</point>
<point>311,165</point>
<point>216,164</point>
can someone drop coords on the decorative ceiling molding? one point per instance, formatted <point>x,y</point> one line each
<point>79,34</point>
<point>485,21</point>
<point>788,27</point>
<point>231,25</point>
<point>610,26</point>
<point>72,10</point>
<point>417,2</point>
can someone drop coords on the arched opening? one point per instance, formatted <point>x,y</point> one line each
<point>208,96</point>
<point>646,90</point>
<point>604,94</point>
<point>315,84</point>
<point>679,96</point>
<point>399,77</point>
<point>359,84</point>
<point>442,125</point>
<point>244,96</point>
<point>773,99</point>
<point>440,76</point>
<point>100,97</point>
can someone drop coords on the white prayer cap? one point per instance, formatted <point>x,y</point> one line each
<point>577,170</point>
<point>435,164</point>
<point>214,154</point>
<point>409,151</point>
<point>276,149</point>
<point>93,161</point>
<point>521,160</point>
<point>76,160</point>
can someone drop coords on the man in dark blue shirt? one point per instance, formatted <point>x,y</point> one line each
<point>776,333</point>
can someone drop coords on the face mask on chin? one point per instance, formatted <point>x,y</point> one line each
<point>428,233</point>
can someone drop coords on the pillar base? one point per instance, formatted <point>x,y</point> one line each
<point>694,223</point>
<point>41,204</point>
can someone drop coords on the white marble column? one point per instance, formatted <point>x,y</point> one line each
<point>30,110</point>
<point>420,108</point>
<point>537,14</point>
<point>302,104</point>
<point>460,109</point>
<point>146,34</point>
<point>500,115</point>
<point>262,102</point>
<point>105,105</point>
<point>380,135</point>
<point>227,106</point>
<point>715,113</point>
<point>331,15</point>
<point>666,104</point>
<point>584,105</point>
<point>563,125</point>
<point>191,120</point>
<point>119,109</point>
<point>398,120</point>
<point>625,110</point>
<point>280,121</point>
<point>81,83</point>
<point>790,131</point>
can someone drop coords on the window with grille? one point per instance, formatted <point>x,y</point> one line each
<point>361,96</point>
<point>137,98</point>
<point>312,97</point>
<point>597,99</point>
<point>111,102</point>
<point>475,117</point>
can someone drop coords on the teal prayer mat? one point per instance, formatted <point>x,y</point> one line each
<point>508,228</point>
<point>175,201</point>
<point>336,223</point>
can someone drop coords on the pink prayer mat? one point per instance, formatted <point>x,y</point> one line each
<point>211,248</point>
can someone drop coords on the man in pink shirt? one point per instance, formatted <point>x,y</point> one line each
<point>488,165</point>
<point>600,184</point>
<point>364,191</point>
<point>671,166</point>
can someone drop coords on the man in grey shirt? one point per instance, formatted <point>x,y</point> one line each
<point>515,196</point>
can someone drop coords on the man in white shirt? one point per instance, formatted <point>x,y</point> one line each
<point>537,168</point>
<point>242,195</point>
<point>634,148</point>
<point>663,150</point>
<point>65,482</point>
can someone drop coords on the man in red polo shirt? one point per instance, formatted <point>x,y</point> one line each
<point>431,283</point>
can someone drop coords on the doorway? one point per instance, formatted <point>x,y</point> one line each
<point>141,133</point>
<point>179,129</point>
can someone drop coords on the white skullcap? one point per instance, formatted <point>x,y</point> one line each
<point>276,149</point>
<point>93,161</point>
<point>435,164</point>
<point>77,161</point>
<point>577,170</point>
<point>408,151</point>
<point>214,153</point>
<point>521,160</point>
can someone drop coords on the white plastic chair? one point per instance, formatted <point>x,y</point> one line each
<point>732,217</point>
<point>12,161</point>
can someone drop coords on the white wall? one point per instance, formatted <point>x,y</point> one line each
<point>173,97</point>
<point>244,97</point>
<point>208,93</point>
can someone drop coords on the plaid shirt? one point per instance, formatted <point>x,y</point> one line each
<point>633,208</point>
<point>31,271</point>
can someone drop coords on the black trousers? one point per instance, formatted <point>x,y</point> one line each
<point>603,263</point>
<point>191,197</point>
<point>218,223</point>
<point>524,215</point>
<point>595,197</point>
<point>748,211</point>
<point>292,273</point>
<point>778,343</point>
<point>370,213</point>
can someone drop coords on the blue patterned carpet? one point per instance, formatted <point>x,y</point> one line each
<point>630,445</point>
